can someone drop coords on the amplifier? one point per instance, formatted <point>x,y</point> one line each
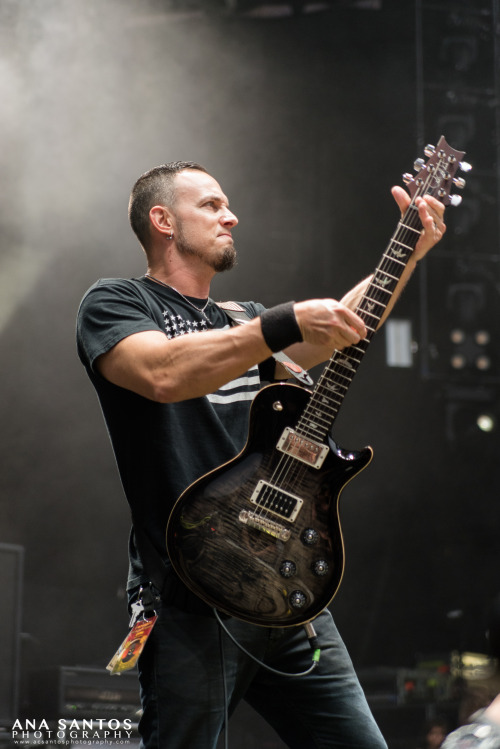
<point>386,686</point>
<point>80,692</point>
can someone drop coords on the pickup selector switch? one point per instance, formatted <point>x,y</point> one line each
<point>288,568</point>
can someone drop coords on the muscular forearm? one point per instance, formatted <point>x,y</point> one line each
<point>186,367</point>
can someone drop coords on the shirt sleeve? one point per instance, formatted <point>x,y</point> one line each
<point>111,310</point>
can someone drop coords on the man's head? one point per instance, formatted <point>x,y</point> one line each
<point>155,187</point>
<point>180,208</point>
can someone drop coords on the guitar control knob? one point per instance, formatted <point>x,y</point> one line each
<point>309,537</point>
<point>297,599</point>
<point>320,567</point>
<point>288,568</point>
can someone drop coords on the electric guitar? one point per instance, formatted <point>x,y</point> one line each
<point>259,538</point>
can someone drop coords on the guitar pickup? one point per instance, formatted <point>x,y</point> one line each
<point>273,499</point>
<point>302,448</point>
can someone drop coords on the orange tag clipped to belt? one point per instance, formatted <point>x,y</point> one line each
<point>129,651</point>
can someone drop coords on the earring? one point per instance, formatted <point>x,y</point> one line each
<point>171,235</point>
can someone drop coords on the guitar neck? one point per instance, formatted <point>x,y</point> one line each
<point>435,178</point>
<point>332,386</point>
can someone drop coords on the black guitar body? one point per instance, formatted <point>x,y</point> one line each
<point>275,559</point>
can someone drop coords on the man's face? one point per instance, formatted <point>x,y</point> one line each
<point>202,221</point>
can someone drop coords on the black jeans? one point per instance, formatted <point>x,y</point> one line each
<point>182,685</point>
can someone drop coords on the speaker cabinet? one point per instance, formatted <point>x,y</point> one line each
<point>11,580</point>
<point>81,693</point>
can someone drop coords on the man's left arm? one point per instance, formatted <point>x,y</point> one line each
<point>309,353</point>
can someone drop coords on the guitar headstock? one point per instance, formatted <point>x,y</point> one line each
<point>436,177</point>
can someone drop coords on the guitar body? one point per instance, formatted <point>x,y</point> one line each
<point>274,567</point>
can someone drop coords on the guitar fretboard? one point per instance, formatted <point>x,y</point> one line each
<point>328,395</point>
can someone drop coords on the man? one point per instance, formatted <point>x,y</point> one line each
<point>175,381</point>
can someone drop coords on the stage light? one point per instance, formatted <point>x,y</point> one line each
<point>483,363</point>
<point>482,337</point>
<point>486,422</point>
<point>469,348</point>
<point>457,336</point>
<point>458,361</point>
<point>472,413</point>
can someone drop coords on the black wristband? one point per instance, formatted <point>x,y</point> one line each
<point>280,327</point>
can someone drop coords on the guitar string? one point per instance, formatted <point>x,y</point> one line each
<point>386,266</point>
<point>289,468</point>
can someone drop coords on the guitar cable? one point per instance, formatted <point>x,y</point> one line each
<point>313,642</point>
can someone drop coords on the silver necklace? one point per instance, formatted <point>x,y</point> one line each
<point>168,286</point>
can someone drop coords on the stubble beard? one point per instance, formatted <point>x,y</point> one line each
<point>224,261</point>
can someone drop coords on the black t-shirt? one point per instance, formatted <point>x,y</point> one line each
<point>161,449</point>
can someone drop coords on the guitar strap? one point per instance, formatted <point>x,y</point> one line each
<point>163,582</point>
<point>151,559</point>
<point>240,317</point>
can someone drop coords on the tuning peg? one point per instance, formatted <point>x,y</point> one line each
<point>465,166</point>
<point>455,200</point>
<point>459,182</point>
<point>429,150</point>
<point>419,163</point>
<point>407,178</point>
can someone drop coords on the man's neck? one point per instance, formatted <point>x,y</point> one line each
<point>187,283</point>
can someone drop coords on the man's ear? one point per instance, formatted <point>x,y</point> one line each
<point>161,219</point>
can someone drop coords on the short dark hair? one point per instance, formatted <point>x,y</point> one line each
<point>155,187</point>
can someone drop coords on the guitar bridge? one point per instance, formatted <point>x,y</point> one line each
<point>276,500</point>
<point>271,527</point>
<point>302,448</point>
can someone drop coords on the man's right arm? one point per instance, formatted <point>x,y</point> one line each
<point>167,371</point>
